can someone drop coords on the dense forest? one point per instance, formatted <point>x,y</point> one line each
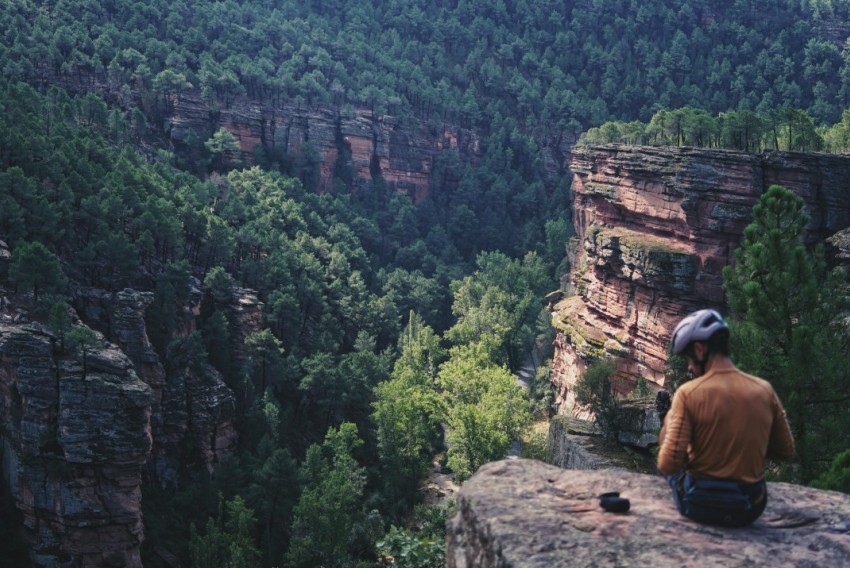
<point>391,330</point>
<point>559,67</point>
<point>789,130</point>
<point>84,208</point>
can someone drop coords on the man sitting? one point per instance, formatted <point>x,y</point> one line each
<point>721,428</point>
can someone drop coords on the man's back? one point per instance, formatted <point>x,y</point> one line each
<point>725,423</point>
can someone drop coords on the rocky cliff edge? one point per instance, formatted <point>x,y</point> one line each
<point>524,513</point>
<point>80,430</point>
<point>75,437</point>
<point>654,228</point>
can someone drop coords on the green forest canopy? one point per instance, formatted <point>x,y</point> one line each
<point>560,66</point>
<point>82,207</point>
<point>788,129</point>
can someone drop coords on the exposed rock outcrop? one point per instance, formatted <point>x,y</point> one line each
<point>401,151</point>
<point>525,513</point>
<point>638,423</point>
<point>841,242</point>
<point>578,444</point>
<point>75,438</point>
<point>246,312</point>
<point>192,407</point>
<point>654,227</point>
<point>402,154</point>
<point>78,433</point>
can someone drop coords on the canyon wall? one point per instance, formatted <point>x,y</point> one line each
<point>81,430</point>
<point>654,228</point>
<point>359,142</point>
<point>401,152</point>
<point>370,145</point>
<point>75,438</point>
<point>191,406</point>
<point>365,144</point>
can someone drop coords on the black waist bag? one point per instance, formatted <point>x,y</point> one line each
<point>716,502</point>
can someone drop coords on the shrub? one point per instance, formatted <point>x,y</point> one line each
<point>593,390</point>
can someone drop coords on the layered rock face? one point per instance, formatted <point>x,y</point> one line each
<point>246,312</point>
<point>191,407</point>
<point>577,444</point>
<point>79,433</point>
<point>75,438</point>
<point>525,513</point>
<point>654,228</point>
<point>401,154</point>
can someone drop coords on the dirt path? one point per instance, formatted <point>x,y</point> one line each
<point>439,487</point>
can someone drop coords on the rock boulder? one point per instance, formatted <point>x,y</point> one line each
<point>523,513</point>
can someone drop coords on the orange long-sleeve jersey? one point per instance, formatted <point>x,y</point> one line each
<point>726,424</point>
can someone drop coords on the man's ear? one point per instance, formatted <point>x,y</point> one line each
<point>700,348</point>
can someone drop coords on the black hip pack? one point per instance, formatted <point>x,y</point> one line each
<point>716,502</point>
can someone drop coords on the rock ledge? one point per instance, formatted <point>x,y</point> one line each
<point>524,513</point>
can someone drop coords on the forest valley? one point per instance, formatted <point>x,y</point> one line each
<point>390,331</point>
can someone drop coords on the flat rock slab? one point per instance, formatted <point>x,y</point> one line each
<point>524,513</point>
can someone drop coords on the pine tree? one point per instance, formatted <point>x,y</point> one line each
<point>329,509</point>
<point>227,540</point>
<point>789,326</point>
<point>34,266</point>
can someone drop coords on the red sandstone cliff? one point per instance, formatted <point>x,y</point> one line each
<point>654,228</point>
<point>402,154</point>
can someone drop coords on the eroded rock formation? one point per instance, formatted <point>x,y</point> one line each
<point>525,513</point>
<point>246,312</point>
<point>76,436</point>
<point>578,444</point>
<point>841,242</point>
<point>654,228</point>
<point>80,432</point>
<point>5,258</point>
<point>402,154</point>
<point>191,407</point>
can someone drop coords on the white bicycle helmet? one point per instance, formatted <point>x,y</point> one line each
<point>699,326</point>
